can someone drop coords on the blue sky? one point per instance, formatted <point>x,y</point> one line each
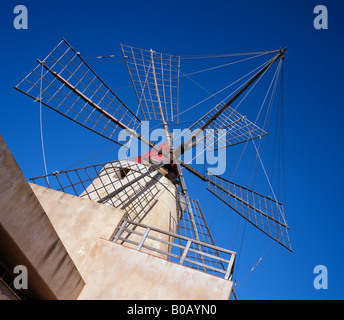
<point>313,113</point>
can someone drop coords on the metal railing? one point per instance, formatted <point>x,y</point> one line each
<point>183,250</point>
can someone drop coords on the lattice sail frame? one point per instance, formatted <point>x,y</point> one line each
<point>185,228</point>
<point>45,87</point>
<point>263,212</point>
<point>97,181</point>
<point>145,67</point>
<point>225,121</point>
<point>237,128</point>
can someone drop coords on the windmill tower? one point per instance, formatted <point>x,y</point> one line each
<point>155,215</point>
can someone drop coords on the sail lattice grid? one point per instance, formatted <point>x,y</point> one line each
<point>210,256</point>
<point>155,77</point>
<point>64,82</point>
<point>228,129</point>
<point>263,212</point>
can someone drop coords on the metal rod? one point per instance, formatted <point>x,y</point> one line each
<point>187,145</point>
<point>105,113</point>
<point>210,256</point>
<point>143,239</point>
<point>120,189</point>
<point>246,203</point>
<point>80,57</point>
<point>188,203</point>
<point>120,231</point>
<point>132,80</point>
<point>185,252</point>
<point>238,94</point>
<point>213,133</point>
<point>164,124</point>
<point>182,258</point>
<point>205,266</point>
<point>230,266</point>
<point>179,236</point>
<point>169,141</point>
<point>204,178</point>
<point>257,226</point>
<point>206,225</point>
<point>82,96</point>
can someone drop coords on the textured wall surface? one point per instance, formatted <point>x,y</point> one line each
<point>119,272</point>
<point>28,238</point>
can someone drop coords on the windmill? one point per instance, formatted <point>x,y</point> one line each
<point>66,83</point>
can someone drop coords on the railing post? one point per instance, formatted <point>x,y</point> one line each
<point>143,239</point>
<point>118,234</point>
<point>185,252</point>
<point>230,266</point>
<point>228,273</point>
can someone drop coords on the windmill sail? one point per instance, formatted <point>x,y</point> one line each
<point>237,127</point>
<point>263,212</point>
<point>186,228</point>
<point>155,77</point>
<point>64,82</point>
<point>223,117</point>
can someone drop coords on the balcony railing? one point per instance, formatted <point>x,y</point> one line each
<point>183,250</point>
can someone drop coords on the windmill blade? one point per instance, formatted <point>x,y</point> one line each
<point>237,127</point>
<point>185,228</point>
<point>155,78</point>
<point>262,211</point>
<point>185,224</point>
<point>64,82</point>
<point>153,83</point>
<point>224,117</point>
<point>188,206</point>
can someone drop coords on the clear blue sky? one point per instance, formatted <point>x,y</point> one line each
<point>313,112</point>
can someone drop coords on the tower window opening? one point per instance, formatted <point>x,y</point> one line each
<point>121,173</point>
